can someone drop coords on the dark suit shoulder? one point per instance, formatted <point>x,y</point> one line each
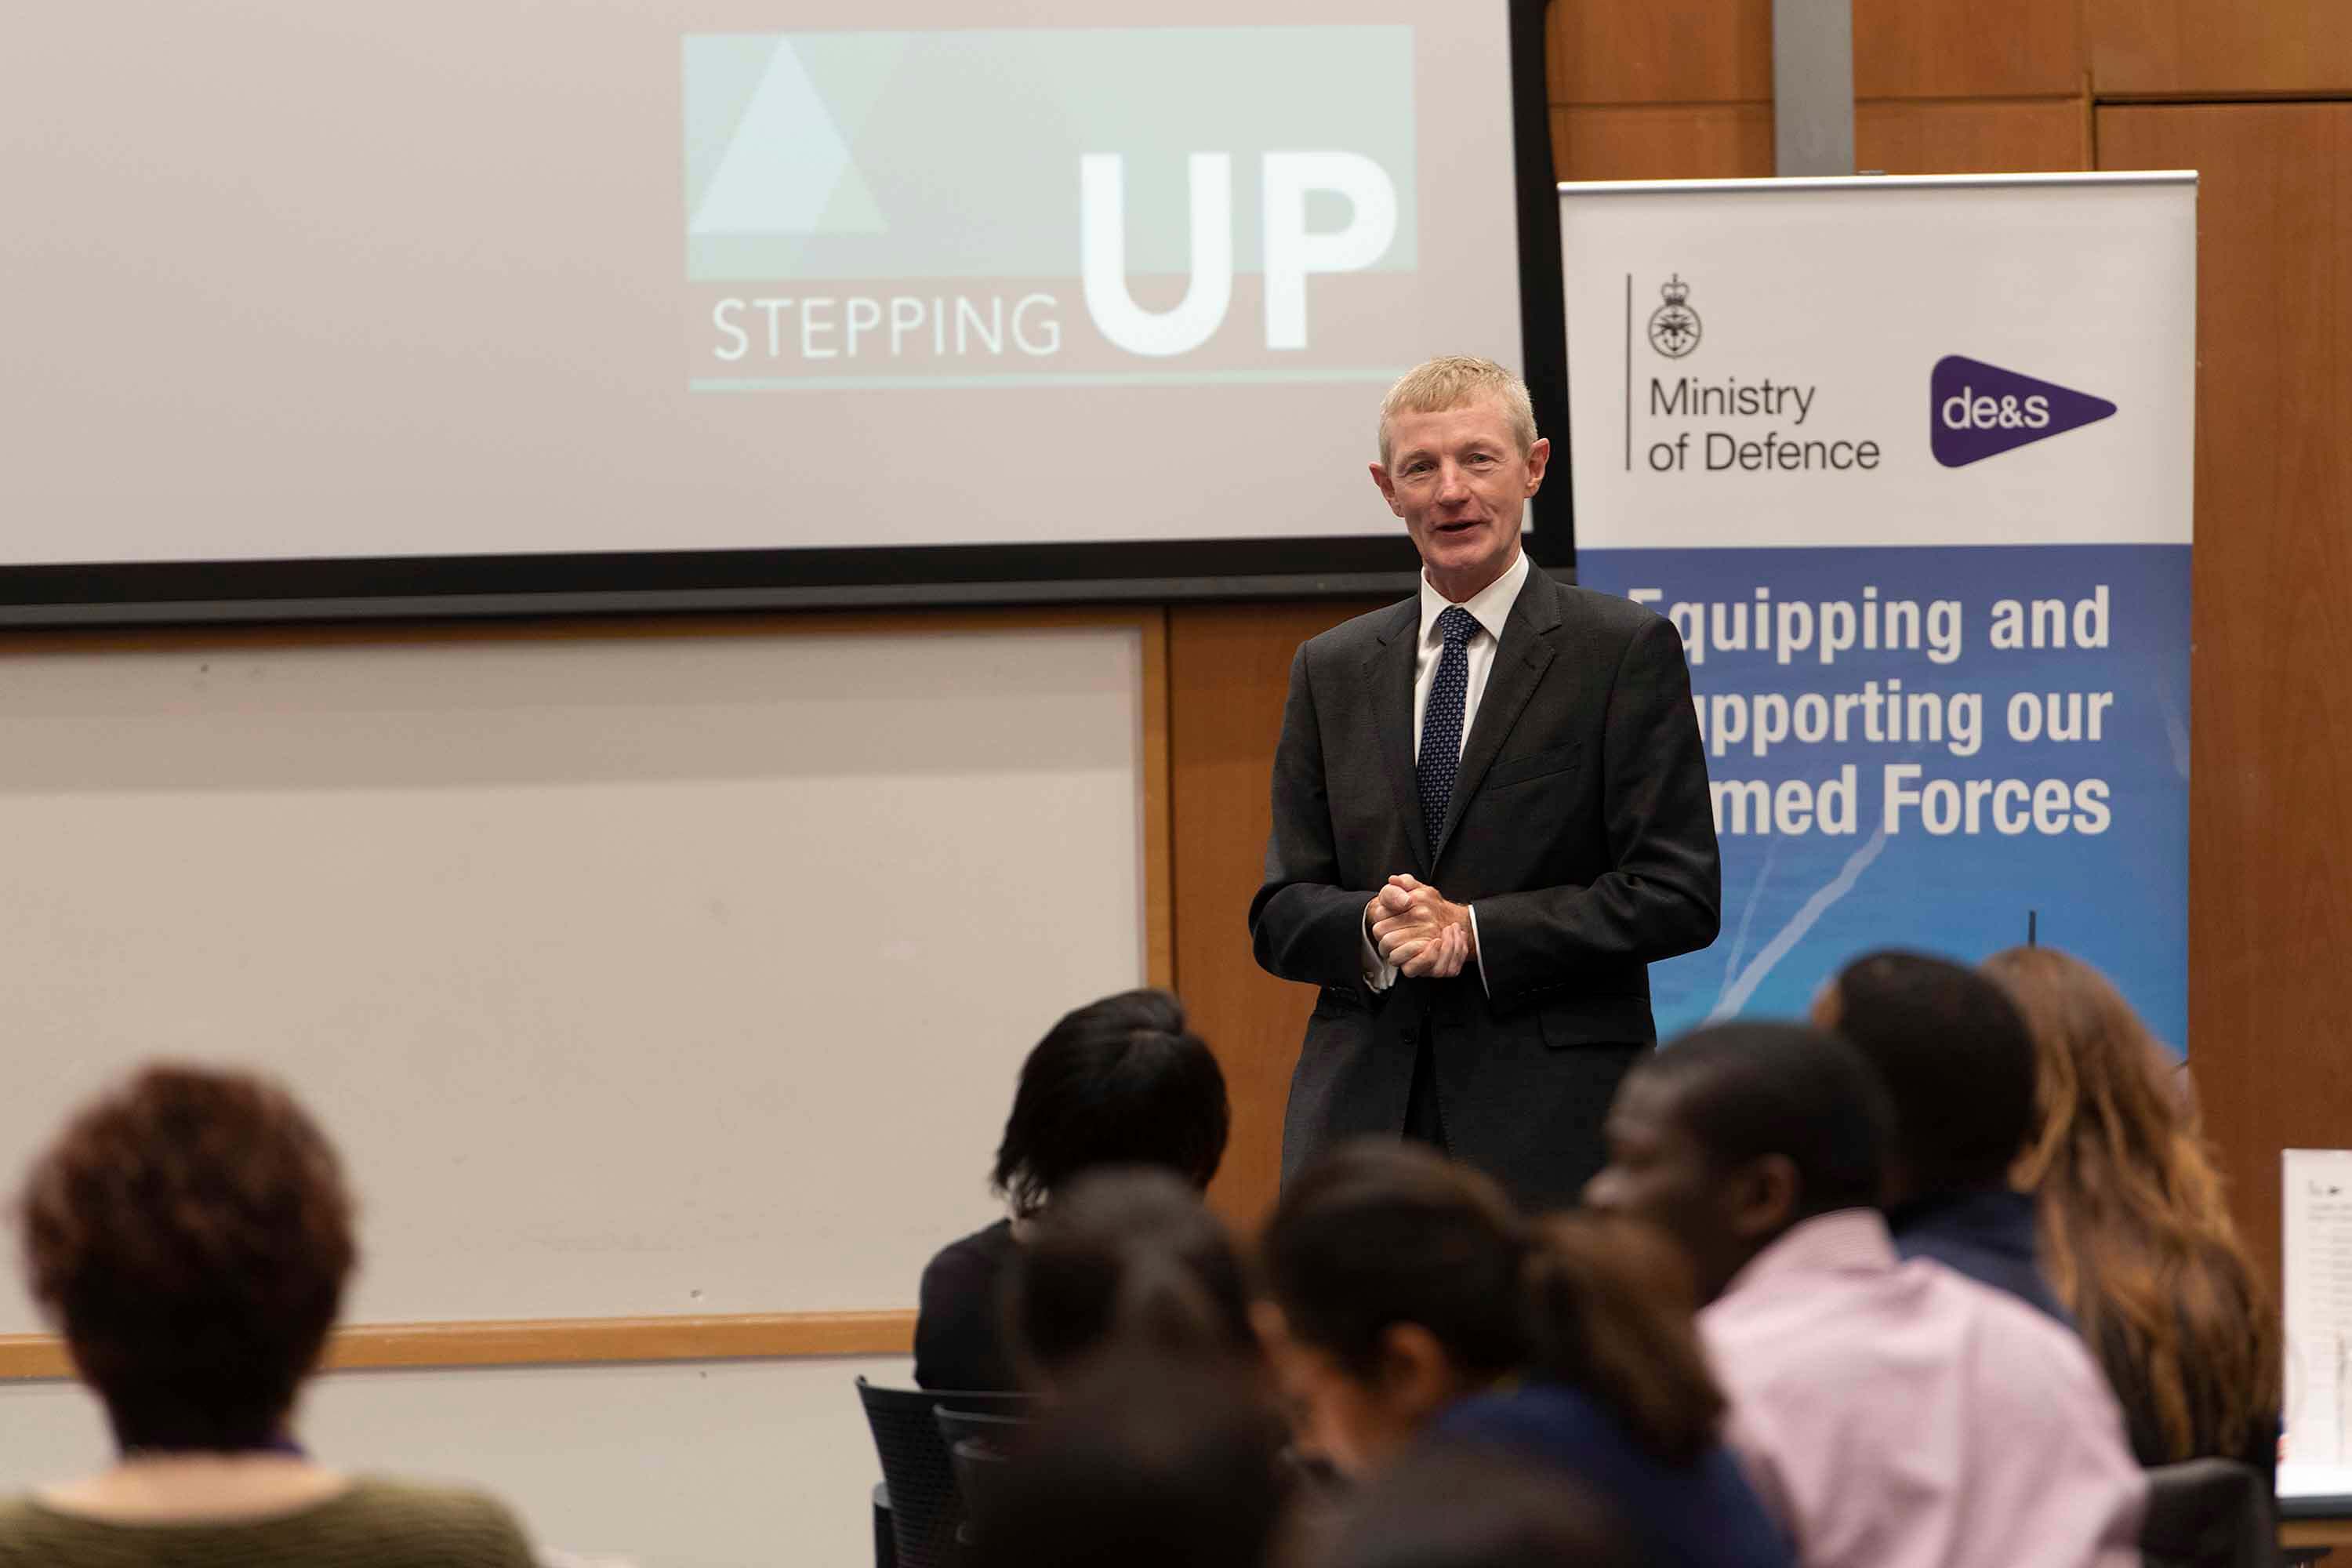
<point>1612,616</point>
<point>1359,635</point>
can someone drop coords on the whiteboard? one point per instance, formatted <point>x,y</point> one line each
<point>632,974</point>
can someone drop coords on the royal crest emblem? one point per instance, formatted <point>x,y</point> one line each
<point>1674,326</point>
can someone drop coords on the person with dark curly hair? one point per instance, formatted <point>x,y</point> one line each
<point>1121,1081</point>
<point>191,1234</point>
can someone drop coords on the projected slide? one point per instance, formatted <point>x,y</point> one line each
<point>467,278</point>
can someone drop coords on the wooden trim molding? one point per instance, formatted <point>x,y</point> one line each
<point>558,1342</point>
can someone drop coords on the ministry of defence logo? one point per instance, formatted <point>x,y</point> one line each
<point>1674,326</point>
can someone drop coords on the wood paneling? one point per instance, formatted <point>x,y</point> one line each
<point>2219,48</point>
<point>2033,135</point>
<point>549,1342</point>
<point>1706,142</point>
<point>1229,668</point>
<point>1967,49</point>
<point>1659,51</point>
<point>2271,779</point>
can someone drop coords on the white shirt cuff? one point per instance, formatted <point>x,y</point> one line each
<point>1377,975</point>
<point>1480,951</point>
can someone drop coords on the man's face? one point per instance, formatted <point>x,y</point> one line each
<point>1461,483</point>
<point>1658,1172</point>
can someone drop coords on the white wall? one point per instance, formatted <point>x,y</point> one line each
<point>683,973</point>
<point>683,1465</point>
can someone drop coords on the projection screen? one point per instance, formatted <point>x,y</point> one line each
<point>496,304</point>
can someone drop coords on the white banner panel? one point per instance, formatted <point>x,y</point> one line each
<point>1908,463</point>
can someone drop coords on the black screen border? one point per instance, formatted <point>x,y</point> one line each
<point>339,588</point>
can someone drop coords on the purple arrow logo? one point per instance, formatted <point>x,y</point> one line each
<point>1977,410</point>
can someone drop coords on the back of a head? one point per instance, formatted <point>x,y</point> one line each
<point>1126,1261</point>
<point>1955,1059</point>
<point>2135,1233</point>
<point>191,1234</point>
<point>1379,1232</point>
<point>1121,1081</point>
<point>1145,1463</point>
<point>1748,1090</point>
<point>1456,1507</point>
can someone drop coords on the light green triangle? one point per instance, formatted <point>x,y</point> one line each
<point>787,169</point>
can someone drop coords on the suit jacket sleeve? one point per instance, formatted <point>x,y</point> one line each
<point>1666,894</point>
<point>1303,924</point>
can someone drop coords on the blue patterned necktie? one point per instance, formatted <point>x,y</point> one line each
<point>1440,721</point>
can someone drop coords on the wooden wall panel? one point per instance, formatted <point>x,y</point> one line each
<point>1997,137</point>
<point>1966,48</point>
<point>1229,668</point>
<point>1659,51</point>
<point>2271,783</point>
<point>1702,141</point>
<point>2219,48</point>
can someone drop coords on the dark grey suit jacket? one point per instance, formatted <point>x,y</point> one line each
<point>1579,827</point>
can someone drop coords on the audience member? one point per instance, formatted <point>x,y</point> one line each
<point>1126,1261</point>
<point>1151,1462</point>
<point>2135,1234</point>
<point>1405,1294</point>
<point>1450,1505</point>
<point>1118,1082</point>
<point>190,1235</point>
<point>1893,1412</point>
<point>1959,1066</point>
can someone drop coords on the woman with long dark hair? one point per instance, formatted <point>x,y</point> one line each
<point>2134,1236</point>
<point>1406,1295</point>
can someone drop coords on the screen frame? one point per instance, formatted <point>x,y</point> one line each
<point>338,588</point>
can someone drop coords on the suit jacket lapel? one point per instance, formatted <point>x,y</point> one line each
<point>1521,659</point>
<point>1389,675</point>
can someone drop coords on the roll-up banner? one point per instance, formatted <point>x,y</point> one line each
<point>1908,463</point>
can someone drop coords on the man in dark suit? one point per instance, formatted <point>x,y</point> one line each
<point>1530,750</point>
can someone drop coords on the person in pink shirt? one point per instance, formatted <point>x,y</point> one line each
<point>1891,1413</point>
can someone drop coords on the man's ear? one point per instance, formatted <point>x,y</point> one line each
<point>1761,1198</point>
<point>1538,458</point>
<point>1417,1377</point>
<point>1388,488</point>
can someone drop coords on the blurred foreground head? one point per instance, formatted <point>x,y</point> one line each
<point>1126,1262</point>
<point>1146,1462</point>
<point>190,1235</point>
<point>1456,1507</point>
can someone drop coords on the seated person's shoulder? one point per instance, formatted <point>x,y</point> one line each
<point>451,1527</point>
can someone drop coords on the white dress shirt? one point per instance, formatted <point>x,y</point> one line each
<point>1490,606</point>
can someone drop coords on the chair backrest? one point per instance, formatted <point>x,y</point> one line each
<point>977,1467</point>
<point>924,1510</point>
<point>994,1430</point>
<point>2208,1514</point>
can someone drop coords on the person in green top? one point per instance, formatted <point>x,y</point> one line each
<point>190,1235</point>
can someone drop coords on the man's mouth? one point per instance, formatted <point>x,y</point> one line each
<point>1467,525</point>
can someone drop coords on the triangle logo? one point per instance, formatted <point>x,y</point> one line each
<point>1977,410</point>
<point>787,170</point>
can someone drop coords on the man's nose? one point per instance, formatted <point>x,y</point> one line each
<point>1453,484</point>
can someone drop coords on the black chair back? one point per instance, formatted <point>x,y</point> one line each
<point>2208,1514</point>
<point>924,1509</point>
<point>995,1430</point>
<point>977,1468</point>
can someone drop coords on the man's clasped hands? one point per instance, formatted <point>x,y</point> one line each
<point>1415,928</point>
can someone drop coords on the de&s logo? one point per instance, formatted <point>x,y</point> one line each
<point>1977,410</point>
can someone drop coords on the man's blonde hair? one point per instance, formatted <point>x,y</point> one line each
<point>1455,381</point>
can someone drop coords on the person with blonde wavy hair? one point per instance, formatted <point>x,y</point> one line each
<point>2136,1237</point>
